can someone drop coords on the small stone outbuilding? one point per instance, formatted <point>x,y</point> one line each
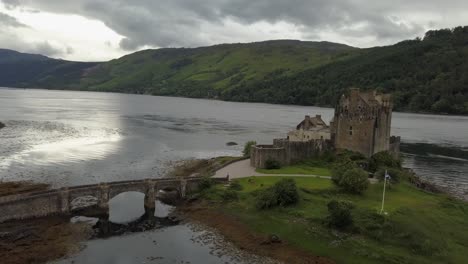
<point>309,129</point>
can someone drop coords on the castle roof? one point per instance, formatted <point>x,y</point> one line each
<point>370,98</point>
<point>312,123</point>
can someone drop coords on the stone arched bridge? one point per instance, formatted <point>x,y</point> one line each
<point>58,201</point>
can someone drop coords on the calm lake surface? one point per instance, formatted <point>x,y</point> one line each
<point>71,138</point>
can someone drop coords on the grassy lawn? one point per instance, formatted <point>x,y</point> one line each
<point>419,227</point>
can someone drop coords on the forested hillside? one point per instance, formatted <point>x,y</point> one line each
<point>424,75</point>
<point>37,71</point>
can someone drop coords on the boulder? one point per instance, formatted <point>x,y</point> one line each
<point>2,125</point>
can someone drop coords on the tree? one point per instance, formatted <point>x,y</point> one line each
<point>354,181</point>
<point>383,159</point>
<point>282,193</point>
<point>340,169</point>
<point>340,214</point>
<point>247,147</point>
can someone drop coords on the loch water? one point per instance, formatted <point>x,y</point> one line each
<point>68,138</point>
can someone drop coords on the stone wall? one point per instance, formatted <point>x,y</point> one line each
<point>31,205</point>
<point>287,152</point>
<point>259,154</point>
<point>306,135</point>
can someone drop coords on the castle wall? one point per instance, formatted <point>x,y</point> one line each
<point>287,152</point>
<point>306,135</point>
<point>259,154</point>
<point>382,130</point>
<point>355,135</point>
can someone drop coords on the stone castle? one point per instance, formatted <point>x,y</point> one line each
<point>361,123</point>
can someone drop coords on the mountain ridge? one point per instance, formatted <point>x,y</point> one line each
<point>433,68</point>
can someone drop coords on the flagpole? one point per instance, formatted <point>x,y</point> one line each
<point>383,195</point>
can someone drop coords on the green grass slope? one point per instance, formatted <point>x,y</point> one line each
<point>419,227</point>
<point>209,71</point>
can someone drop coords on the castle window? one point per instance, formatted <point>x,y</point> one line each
<point>350,130</point>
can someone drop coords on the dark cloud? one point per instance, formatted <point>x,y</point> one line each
<point>194,23</point>
<point>9,21</point>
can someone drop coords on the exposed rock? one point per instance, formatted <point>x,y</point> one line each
<point>231,143</point>
<point>2,125</point>
<point>271,239</point>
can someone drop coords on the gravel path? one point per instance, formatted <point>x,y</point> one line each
<point>242,169</point>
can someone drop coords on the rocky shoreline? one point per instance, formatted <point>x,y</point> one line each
<point>237,233</point>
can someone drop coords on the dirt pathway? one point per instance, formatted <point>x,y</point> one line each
<point>242,169</point>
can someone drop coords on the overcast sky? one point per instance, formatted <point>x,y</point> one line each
<point>105,29</point>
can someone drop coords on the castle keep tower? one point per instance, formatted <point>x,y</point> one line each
<point>362,122</point>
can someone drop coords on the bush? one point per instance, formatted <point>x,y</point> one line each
<point>354,181</point>
<point>229,195</point>
<point>286,192</point>
<point>247,147</point>
<point>205,183</point>
<point>282,193</point>
<point>383,159</point>
<point>395,174</point>
<point>236,186</point>
<point>339,169</point>
<point>266,199</point>
<point>340,214</point>
<point>271,164</point>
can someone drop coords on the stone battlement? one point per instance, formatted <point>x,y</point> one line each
<point>287,152</point>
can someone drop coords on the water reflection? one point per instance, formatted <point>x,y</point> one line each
<point>75,138</point>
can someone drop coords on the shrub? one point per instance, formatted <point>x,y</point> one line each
<point>383,159</point>
<point>229,195</point>
<point>266,199</point>
<point>271,164</point>
<point>339,169</point>
<point>354,181</point>
<point>340,214</point>
<point>236,186</point>
<point>247,147</point>
<point>282,193</point>
<point>395,174</point>
<point>286,192</point>
<point>205,183</point>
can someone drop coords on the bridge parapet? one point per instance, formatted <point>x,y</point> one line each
<point>58,201</point>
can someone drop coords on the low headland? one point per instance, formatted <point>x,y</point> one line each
<point>300,219</point>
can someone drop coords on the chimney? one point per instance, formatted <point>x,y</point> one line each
<point>307,122</point>
<point>318,116</point>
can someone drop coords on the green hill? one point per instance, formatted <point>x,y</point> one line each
<point>32,70</point>
<point>209,71</point>
<point>424,75</point>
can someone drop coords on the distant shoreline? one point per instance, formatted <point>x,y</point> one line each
<point>215,99</point>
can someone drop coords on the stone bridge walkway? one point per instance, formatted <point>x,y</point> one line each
<point>242,169</point>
